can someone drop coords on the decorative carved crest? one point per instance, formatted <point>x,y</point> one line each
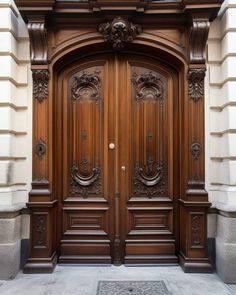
<point>40,84</point>
<point>40,148</point>
<point>196,83</point>
<point>85,185</point>
<point>196,150</point>
<point>87,86</point>
<point>149,183</point>
<point>119,32</point>
<point>148,86</point>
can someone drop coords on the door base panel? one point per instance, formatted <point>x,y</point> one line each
<point>151,259</point>
<point>84,260</point>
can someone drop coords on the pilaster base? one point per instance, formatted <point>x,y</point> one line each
<point>41,265</point>
<point>195,265</point>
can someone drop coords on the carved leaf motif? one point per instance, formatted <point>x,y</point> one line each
<point>86,85</point>
<point>119,32</point>
<point>148,86</point>
<point>196,83</point>
<point>196,226</point>
<point>40,84</point>
<point>40,227</point>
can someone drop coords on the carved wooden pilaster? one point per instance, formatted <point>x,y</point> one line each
<point>193,252</point>
<point>41,202</point>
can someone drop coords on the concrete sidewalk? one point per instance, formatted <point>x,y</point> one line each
<point>82,280</point>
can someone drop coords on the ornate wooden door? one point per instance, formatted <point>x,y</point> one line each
<point>118,140</point>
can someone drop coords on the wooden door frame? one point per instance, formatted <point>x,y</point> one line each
<point>190,19</point>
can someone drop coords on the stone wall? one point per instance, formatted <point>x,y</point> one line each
<point>221,138</point>
<point>15,137</point>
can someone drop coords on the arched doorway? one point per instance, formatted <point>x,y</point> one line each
<point>123,181</point>
<point>117,160</point>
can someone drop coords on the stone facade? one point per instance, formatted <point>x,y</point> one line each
<point>221,138</point>
<point>16,137</point>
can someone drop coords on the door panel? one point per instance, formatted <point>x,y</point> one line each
<point>146,148</point>
<point>86,229</point>
<point>118,200</point>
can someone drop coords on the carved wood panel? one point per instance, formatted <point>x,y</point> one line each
<point>85,147</point>
<point>148,138</point>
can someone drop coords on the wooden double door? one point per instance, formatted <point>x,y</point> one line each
<point>117,160</point>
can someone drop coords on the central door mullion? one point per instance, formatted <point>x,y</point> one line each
<point>117,241</point>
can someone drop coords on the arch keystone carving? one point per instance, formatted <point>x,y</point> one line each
<point>119,32</point>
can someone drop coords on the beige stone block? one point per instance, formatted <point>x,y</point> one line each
<point>211,225</point>
<point>10,230</point>
<point>25,226</point>
<point>225,261</point>
<point>9,260</point>
<point>226,229</point>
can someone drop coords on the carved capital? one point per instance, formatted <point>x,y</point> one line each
<point>38,41</point>
<point>196,84</point>
<point>119,32</point>
<point>198,39</point>
<point>40,84</point>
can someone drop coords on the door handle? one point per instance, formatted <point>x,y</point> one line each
<point>123,168</point>
<point>111,146</point>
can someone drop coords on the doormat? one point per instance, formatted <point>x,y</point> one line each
<point>132,288</point>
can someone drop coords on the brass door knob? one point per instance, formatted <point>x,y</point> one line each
<point>111,146</point>
<point>123,168</point>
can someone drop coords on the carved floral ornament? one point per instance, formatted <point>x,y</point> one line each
<point>196,84</point>
<point>119,32</point>
<point>40,84</point>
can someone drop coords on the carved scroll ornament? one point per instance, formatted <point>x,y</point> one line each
<point>198,39</point>
<point>85,185</point>
<point>40,84</point>
<point>148,86</point>
<point>119,32</point>
<point>149,182</point>
<point>86,85</point>
<point>196,84</point>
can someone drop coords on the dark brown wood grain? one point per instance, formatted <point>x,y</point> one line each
<point>118,132</point>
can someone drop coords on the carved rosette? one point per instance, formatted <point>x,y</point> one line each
<point>86,85</point>
<point>40,148</point>
<point>196,150</point>
<point>196,84</point>
<point>85,185</point>
<point>119,32</point>
<point>148,86</point>
<point>40,84</point>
